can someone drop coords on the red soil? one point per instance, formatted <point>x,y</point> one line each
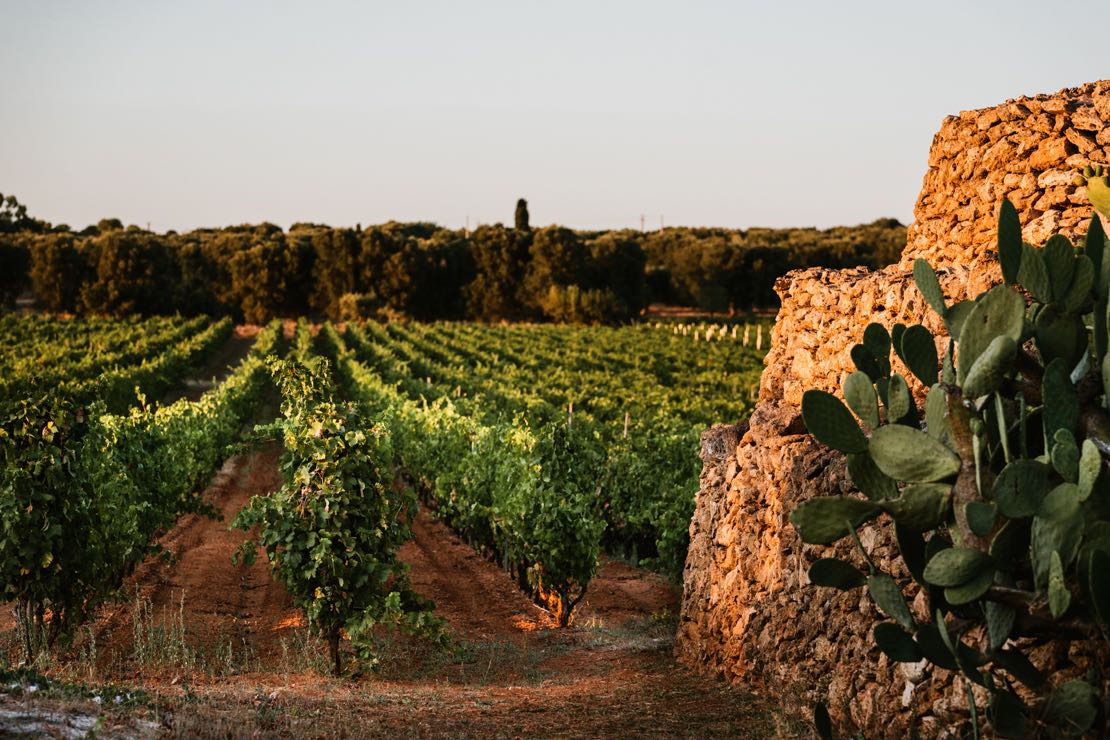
<point>217,601</point>
<point>509,675</point>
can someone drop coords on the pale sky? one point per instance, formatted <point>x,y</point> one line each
<point>186,114</point>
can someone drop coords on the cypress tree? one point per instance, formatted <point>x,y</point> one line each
<point>521,216</point>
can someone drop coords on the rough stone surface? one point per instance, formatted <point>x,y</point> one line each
<point>980,157</point>
<point>747,611</point>
<point>824,312</point>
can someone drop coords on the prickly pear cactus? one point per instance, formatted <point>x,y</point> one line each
<point>1097,181</point>
<point>997,486</point>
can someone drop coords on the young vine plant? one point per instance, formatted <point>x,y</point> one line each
<point>332,531</point>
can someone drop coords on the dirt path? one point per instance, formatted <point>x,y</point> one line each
<point>245,665</point>
<point>478,600</point>
<point>217,366</point>
<point>237,608</point>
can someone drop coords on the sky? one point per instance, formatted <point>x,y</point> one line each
<point>738,114</point>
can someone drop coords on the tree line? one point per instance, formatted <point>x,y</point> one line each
<point>415,270</point>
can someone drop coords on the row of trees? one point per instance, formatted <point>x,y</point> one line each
<point>418,270</point>
<point>719,269</point>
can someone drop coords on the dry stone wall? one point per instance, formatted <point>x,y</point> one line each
<point>748,612</point>
<point>1027,150</point>
<point>955,227</point>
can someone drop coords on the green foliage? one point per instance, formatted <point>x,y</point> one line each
<point>645,392</point>
<point>336,269</point>
<point>45,499</point>
<point>332,531</point>
<point>572,304</point>
<point>616,289</point>
<point>359,307</point>
<point>1003,515</point>
<point>88,360</point>
<point>720,269</point>
<point>500,259</point>
<point>266,280</point>
<point>15,263</point>
<point>57,271</point>
<point>130,273</point>
<point>561,523</point>
<point>82,492</point>
<point>419,270</point>
<point>557,259</point>
<point>527,497</point>
<point>14,218</point>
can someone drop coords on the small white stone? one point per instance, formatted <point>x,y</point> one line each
<point>907,694</point>
<point>913,672</point>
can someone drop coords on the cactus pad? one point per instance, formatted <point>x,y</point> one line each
<point>896,643</point>
<point>919,352</point>
<point>908,454</point>
<point>1059,260</point>
<point>1001,312</point>
<point>921,507</point>
<point>872,482</point>
<point>1020,488</point>
<point>836,574</point>
<point>926,278</point>
<point>831,423</point>
<point>899,401</point>
<point>888,597</point>
<point>1009,242</point>
<point>989,368</point>
<point>824,520</point>
<point>859,392</point>
<point>955,566</point>
<point>1098,189</point>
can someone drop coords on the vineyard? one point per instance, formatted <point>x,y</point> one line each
<point>548,451</point>
<point>102,359</point>
<point>628,404</point>
<point>86,489</point>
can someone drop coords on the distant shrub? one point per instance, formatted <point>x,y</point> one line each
<point>57,271</point>
<point>131,272</point>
